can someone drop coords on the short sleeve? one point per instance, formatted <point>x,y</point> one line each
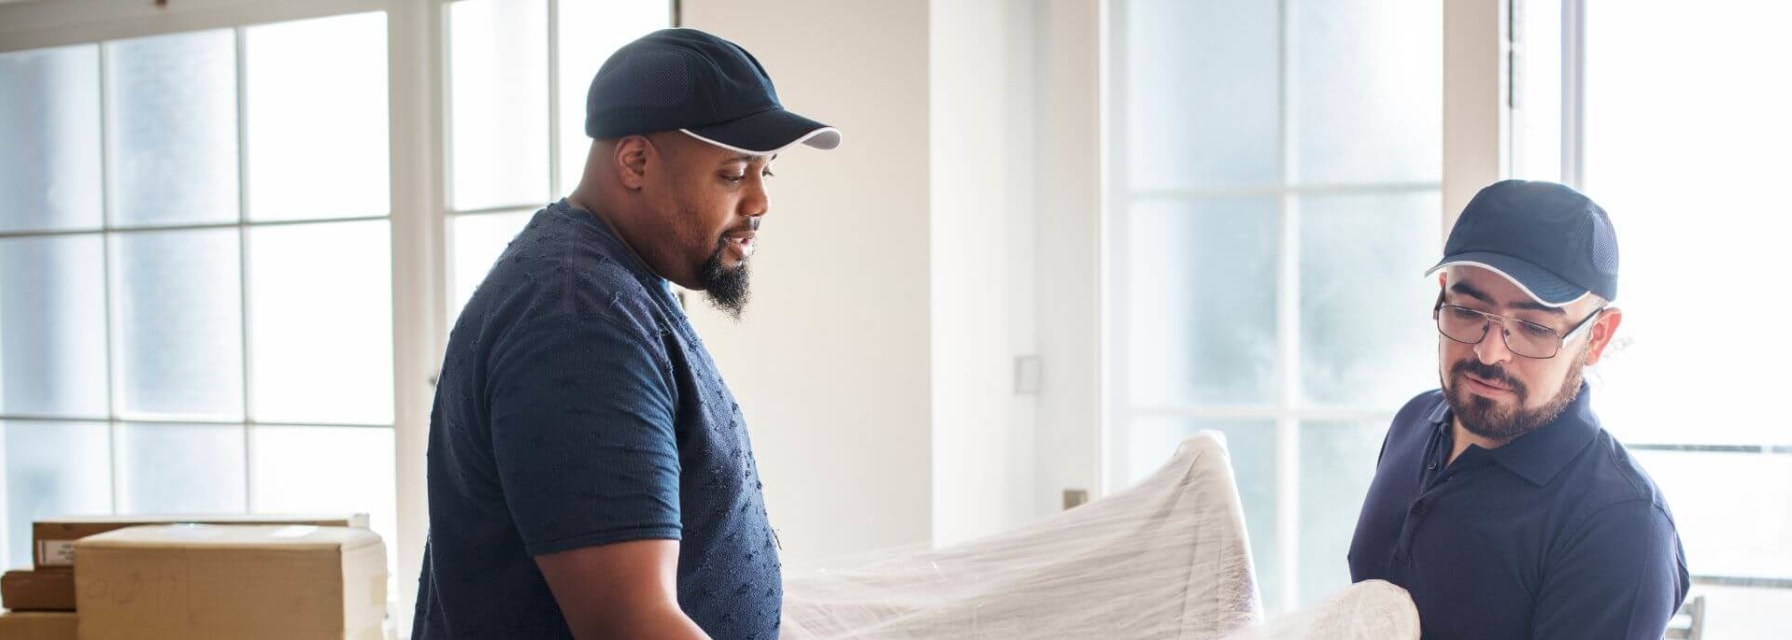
<point>582,427</point>
<point>1622,577</point>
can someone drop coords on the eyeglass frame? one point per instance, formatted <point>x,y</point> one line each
<point>1488,320</point>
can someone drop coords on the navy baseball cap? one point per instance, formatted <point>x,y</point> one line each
<point>691,81</point>
<point>1547,238</point>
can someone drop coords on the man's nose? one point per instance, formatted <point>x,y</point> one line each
<point>1492,349</point>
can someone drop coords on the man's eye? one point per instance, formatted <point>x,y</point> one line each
<point>1535,330</point>
<point>767,173</point>
<point>1465,315</point>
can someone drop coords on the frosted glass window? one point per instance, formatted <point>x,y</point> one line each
<point>1693,179</point>
<point>325,470</point>
<point>181,468</point>
<point>320,323</point>
<point>1733,511</point>
<point>477,242</point>
<point>1337,463</point>
<point>172,122</point>
<point>1201,324</point>
<point>498,55</point>
<point>1537,91</point>
<point>1276,164</point>
<point>53,326</point>
<point>1367,339</point>
<point>178,320</point>
<point>589,31</point>
<point>1202,94</point>
<point>50,139</point>
<point>1745,613</point>
<point>1369,91</point>
<point>1152,440</point>
<point>317,118</point>
<point>52,469</point>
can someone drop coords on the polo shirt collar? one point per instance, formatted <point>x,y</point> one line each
<point>1539,455</point>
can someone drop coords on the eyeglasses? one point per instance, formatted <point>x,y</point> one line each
<point>1523,337</point>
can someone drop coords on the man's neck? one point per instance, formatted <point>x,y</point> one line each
<point>1461,438</point>
<point>583,201</point>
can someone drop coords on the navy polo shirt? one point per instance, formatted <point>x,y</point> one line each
<point>577,408</point>
<point>1559,534</point>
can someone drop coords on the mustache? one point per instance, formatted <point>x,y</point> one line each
<point>750,226</point>
<point>1489,373</point>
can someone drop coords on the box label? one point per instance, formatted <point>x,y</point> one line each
<point>56,553</point>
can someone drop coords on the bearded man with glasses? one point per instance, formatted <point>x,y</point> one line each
<point>1499,502</point>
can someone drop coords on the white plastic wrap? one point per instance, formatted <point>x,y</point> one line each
<point>1369,610</point>
<point>1166,559</point>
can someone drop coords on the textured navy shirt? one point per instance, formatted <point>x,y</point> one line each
<point>576,408</point>
<point>1559,534</point>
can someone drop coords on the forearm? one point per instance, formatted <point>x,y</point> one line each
<point>664,622</point>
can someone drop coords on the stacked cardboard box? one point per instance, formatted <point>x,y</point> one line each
<point>51,590</point>
<point>43,600</point>
<point>196,582</point>
<point>31,625</point>
<point>53,540</point>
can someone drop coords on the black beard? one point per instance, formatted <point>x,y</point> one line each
<point>1482,417</point>
<point>726,288</point>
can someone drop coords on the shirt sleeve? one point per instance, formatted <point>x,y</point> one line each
<point>582,427</point>
<point>1622,577</point>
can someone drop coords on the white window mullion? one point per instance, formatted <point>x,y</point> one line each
<point>1118,348</point>
<point>242,176</point>
<point>112,420</point>
<point>1574,92</point>
<point>419,137</point>
<point>1288,390</point>
<point>553,44</point>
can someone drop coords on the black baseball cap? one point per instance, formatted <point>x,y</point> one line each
<point>1547,238</point>
<point>691,81</point>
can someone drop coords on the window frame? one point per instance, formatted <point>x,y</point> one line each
<point>1287,410</point>
<point>1573,78</point>
<point>419,144</point>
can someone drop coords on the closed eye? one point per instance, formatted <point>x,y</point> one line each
<point>1535,330</point>
<point>1464,314</point>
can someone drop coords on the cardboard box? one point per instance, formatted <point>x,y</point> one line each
<point>53,539</point>
<point>38,590</point>
<point>198,582</point>
<point>15,625</point>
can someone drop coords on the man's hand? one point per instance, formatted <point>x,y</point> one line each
<point>623,590</point>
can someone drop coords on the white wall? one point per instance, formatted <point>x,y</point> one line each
<point>831,361</point>
<point>901,275</point>
<point>1069,215</point>
<point>982,276</point>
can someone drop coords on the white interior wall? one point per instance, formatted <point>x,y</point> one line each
<point>902,275</point>
<point>982,276</point>
<point>831,361</point>
<point>1068,303</point>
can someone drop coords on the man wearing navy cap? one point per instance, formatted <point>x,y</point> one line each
<point>1499,502</point>
<point>590,475</point>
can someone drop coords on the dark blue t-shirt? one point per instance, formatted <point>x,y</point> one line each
<point>576,407</point>
<point>1557,535</point>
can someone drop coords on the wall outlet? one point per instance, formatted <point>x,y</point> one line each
<point>1074,498</point>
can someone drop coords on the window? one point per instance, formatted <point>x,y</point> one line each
<point>1685,146</point>
<point>176,292</point>
<point>517,114</point>
<point>1274,190</point>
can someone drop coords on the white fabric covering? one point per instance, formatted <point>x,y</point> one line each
<point>1167,559</point>
<point>1370,610</point>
